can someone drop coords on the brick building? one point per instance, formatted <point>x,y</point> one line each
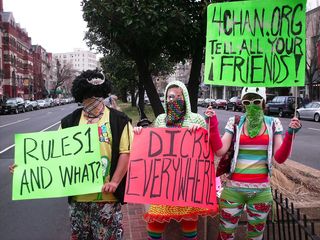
<point>42,68</point>
<point>16,57</point>
<point>25,69</point>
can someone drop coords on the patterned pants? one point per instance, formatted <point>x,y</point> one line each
<point>189,230</point>
<point>231,211</point>
<point>96,221</point>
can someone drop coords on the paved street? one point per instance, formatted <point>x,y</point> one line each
<point>36,219</point>
<point>48,218</point>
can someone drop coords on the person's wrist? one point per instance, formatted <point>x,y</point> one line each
<point>214,121</point>
<point>293,130</point>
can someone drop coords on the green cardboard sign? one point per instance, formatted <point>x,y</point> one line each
<point>57,163</point>
<point>256,43</point>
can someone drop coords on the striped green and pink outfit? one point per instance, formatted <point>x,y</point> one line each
<point>249,184</point>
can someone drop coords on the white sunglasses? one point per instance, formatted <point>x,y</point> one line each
<point>254,101</point>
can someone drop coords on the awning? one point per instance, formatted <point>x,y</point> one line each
<point>58,91</point>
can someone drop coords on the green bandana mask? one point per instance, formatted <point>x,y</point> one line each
<point>254,115</point>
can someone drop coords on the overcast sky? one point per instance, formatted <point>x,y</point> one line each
<point>57,25</point>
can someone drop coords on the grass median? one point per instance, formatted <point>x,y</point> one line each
<point>133,113</point>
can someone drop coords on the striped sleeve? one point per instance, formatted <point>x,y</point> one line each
<point>229,126</point>
<point>278,126</point>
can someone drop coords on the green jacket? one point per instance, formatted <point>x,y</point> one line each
<point>190,117</point>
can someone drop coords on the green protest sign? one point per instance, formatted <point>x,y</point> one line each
<point>57,163</point>
<point>256,43</point>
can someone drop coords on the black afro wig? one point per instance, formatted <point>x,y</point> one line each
<point>90,84</point>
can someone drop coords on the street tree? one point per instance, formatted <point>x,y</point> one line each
<point>64,74</point>
<point>122,73</point>
<point>143,30</point>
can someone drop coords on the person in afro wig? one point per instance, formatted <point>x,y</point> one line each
<point>88,84</point>
<point>98,215</point>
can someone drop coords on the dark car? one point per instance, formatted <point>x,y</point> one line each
<point>13,105</point>
<point>283,105</point>
<point>235,104</point>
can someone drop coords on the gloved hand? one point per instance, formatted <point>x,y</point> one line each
<point>294,126</point>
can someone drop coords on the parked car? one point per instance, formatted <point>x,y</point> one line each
<point>50,102</point>
<point>310,111</point>
<point>56,102</point>
<point>235,104</point>
<point>283,105</point>
<point>200,102</point>
<point>13,105</point>
<point>35,105</point>
<point>63,101</point>
<point>42,103</point>
<point>208,101</point>
<point>221,103</point>
<point>28,106</point>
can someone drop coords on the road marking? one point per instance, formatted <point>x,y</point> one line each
<point>8,124</point>
<point>50,126</point>
<point>316,129</point>
<point>7,148</point>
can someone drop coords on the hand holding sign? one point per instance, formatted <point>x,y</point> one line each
<point>12,167</point>
<point>110,187</point>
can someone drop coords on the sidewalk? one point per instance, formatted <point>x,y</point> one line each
<point>133,224</point>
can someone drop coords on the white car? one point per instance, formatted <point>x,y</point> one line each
<point>310,111</point>
<point>42,103</point>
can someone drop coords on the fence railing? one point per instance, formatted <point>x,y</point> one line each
<point>286,222</point>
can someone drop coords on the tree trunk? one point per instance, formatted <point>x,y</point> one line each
<point>194,79</point>
<point>145,76</point>
<point>141,100</point>
<point>133,99</point>
<point>132,93</point>
<point>197,58</point>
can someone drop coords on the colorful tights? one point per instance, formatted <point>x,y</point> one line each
<point>189,230</point>
<point>230,213</point>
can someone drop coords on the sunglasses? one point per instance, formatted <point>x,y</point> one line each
<point>254,101</point>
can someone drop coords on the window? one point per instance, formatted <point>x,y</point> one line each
<point>290,100</point>
<point>280,99</point>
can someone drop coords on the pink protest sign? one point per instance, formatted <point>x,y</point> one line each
<point>171,166</point>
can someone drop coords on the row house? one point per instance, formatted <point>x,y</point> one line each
<point>42,62</point>
<point>25,69</point>
<point>17,60</point>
